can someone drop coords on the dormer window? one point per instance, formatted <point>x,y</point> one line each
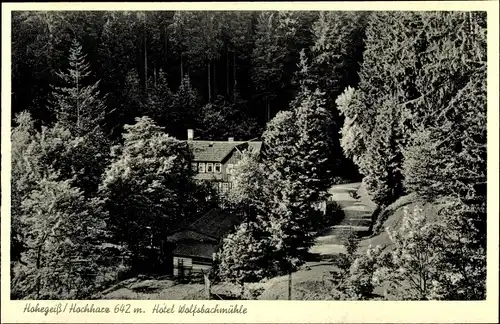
<point>217,167</point>
<point>210,167</point>
<point>201,167</point>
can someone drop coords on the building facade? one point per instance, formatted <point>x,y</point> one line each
<point>214,160</point>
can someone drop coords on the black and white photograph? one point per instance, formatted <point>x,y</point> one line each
<point>332,155</point>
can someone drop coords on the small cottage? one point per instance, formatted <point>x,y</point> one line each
<point>195,245</point>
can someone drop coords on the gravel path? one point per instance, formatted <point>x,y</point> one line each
<point>357,218</point>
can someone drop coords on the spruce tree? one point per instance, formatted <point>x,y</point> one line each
<point>222,119</point>
<point>186,105</point>
<point>274,33</point>
<point>76,104</point>
<point>383,162</point>
<point>159,102</point>
<point>337,50</point>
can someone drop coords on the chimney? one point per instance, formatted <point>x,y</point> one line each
<point>190,134</point>
<point>230,139</point>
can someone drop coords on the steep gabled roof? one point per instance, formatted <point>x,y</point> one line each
<point>213,225</point>
<point>195,249</point>
<point>201,237</point>
<point>217,151</point>
<point>190,235</point>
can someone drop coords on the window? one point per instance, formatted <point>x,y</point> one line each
<point>210,167</point>
<point>229,169</point>
<point>217,167</point>
<point>194,166</point>
<point>201,167</point>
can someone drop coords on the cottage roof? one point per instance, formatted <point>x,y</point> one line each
<point>217,151</point>
<point>212,225</point>
<point>190,235</point>
<point>215,223</point>
<point>195,249</point>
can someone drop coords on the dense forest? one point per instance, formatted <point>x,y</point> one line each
<point>101,102</point>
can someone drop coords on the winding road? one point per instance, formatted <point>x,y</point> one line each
<point>357,218</point>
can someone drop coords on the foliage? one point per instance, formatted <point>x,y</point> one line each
<point>355,281</point>
<point>160,100</point>
<point>222,119</point>
<point>247,254</point>
<point>248,183</point>
<point>186,106</point>
<point>78,106</point>
<point>383,179</point>
<point>360,283</point>
<point>353,137</point>
<point>147,186</point>
<point>62,231</point>
<point>337,50</point>
<point>56,229</point>
<point>274,33</point>
<point>431,259</point>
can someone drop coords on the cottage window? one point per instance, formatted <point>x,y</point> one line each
<point>201,167</point>
<point>229,169</point>
<point>217,167</point>
<point>194,166</point>
<point>210,167</point>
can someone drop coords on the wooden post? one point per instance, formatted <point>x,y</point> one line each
<point>207,285</point>
<point>290,285</point>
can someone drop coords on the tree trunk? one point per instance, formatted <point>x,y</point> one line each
<point>234,76</point>
<point>214,66</point>
<point>289,285</point>
<point>227,71</point>
<point>77,101</point>
<point>145,57</point>
<point>182,67</point>
<point>208,82</point>
<point>207,285</point>
<point>165,49</point>
<point>154,73</point>
<point>268,110</point>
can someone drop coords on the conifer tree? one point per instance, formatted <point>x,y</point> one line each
<point>299,164</point>
<point>222,119</point>
<point>76,104</point>
<point>274,32</point>
<point>186,105</point>
<point>336,53</point>
<point>159,101</point>
<point>383,161</point>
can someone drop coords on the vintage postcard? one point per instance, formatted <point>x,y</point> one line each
<point>250,162</point>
